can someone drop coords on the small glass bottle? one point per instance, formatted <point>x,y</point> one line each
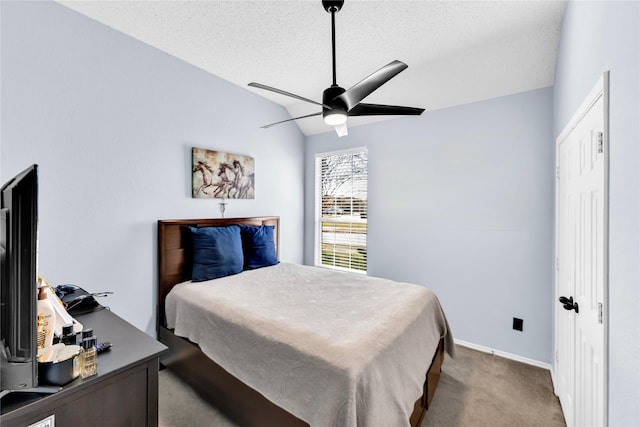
<point>68,336</point>
<point>89,357</point>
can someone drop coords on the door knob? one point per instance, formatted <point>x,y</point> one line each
<point>569,304</point>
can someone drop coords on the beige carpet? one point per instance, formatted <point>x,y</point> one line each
<point>476,389</point>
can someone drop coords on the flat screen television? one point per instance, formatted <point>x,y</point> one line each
<point>18,283</point>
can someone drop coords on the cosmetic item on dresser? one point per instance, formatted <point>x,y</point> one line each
<point>89,362</point>
<point>46,320</point>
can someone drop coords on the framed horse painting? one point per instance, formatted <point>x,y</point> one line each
<point>219,175</point>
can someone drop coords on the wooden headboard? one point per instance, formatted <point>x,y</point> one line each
<point>174,249</point>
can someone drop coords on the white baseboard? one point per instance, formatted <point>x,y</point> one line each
<point>504,354</point>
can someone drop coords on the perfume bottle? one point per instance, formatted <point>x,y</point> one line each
<point>89,365</point>
<point>68,336</point>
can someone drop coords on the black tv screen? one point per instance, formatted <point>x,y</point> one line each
<point>18,287</point>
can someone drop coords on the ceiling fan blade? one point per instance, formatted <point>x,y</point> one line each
<point>384,110</point>
<point>282,92</point>
<point>366,86</point>
<point>342,130</point>
<point>288,120</point>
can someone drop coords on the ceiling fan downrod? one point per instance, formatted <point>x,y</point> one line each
<point>332,7</point>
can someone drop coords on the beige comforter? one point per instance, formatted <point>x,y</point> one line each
<point>332,348</point>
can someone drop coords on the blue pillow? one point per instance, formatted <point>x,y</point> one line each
<point>217,252</point>
<point>258,246</point>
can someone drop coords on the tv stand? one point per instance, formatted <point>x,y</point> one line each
<point>125,391</point>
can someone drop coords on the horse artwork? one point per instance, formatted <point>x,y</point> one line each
<point>220,175</point>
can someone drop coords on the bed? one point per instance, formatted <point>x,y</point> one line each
<point>254,356</point>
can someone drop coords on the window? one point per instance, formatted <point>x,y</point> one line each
<point>341,210</point>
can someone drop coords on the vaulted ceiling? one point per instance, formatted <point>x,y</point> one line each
<point>457,51</point>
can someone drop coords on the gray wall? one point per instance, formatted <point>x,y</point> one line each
<point>111,122</point>
<point>461,201</point>
<point>600,36</point>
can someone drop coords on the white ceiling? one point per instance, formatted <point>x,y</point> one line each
<point>457,51</point>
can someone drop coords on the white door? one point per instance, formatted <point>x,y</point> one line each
<point>565,284</point>
<point>581,242</point>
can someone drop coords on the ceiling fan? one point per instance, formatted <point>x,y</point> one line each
<point>338,103</point>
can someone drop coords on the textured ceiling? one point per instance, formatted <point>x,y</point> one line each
<point>457,51</point>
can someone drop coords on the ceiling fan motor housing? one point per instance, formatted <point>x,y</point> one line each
<point>329,98</point>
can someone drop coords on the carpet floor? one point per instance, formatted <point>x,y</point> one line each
<point>476,390</point>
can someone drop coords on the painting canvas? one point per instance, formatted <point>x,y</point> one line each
<point>220,175</point>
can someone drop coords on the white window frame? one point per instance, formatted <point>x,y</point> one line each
<point>317,242</point>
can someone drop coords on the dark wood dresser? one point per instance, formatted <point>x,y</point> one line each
<point>124,393</point>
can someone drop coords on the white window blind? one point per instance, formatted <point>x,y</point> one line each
<point>341,200</point>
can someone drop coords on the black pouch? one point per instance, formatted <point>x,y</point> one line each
<point>80,302</point>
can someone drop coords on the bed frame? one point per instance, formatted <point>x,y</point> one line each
<point>238,401</point>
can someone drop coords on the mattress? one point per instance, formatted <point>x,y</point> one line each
<point>332,348</point>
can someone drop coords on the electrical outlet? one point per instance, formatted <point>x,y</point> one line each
<point>517,324</point>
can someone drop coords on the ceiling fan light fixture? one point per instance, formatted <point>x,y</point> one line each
<point>335,117</point>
